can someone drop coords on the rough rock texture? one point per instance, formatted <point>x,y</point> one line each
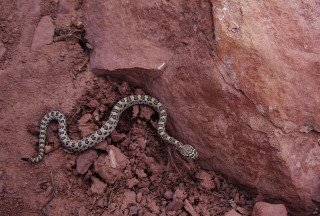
<point>97,186</point>
<point>43,34</point>
<point>84,161</point>
<point>111,168</point>
<point>267,209</point>
<point>205,180</point>
<point>240,82</point>
<point>56,76</point>
<point>189,208</point>
<point>232,212</point>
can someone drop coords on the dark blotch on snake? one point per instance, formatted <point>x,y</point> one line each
<point>116,110</point>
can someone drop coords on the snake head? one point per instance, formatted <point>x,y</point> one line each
<point>188,151</point>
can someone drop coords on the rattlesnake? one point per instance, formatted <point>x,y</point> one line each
<point>107,128</point>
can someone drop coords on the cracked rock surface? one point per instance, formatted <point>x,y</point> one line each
<point>240,81</point>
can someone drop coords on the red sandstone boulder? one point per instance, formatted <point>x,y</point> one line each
<point>240,82</point>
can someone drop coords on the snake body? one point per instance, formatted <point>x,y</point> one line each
<point>107,128</point>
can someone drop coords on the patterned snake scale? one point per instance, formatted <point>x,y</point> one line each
<point>107,128</point>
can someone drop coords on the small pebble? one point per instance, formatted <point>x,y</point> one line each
<point>140,173</point>
<point>47,149</point>
<point>133,210</point>
<point>132,182</point>
<point>139,197</point>
<point>117,137</point>
<point>168,195</point>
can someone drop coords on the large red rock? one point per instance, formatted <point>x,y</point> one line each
<point>240,82</point>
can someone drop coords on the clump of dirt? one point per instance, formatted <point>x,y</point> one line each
<point>133,172</point>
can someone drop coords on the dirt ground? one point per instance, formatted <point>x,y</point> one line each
<point>131,173</point>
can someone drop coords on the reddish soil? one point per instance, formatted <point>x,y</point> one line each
<point>131,173</point>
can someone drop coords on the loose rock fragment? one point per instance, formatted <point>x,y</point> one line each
<point>129,197</point>
<point>111,167</point>
<point>97,186</point>
<point>132,182</point>
<point>85,160</point>
<point>101,146</point>
<point>117,137</point>
<point>168,195</point>
<point>85,119</point>
<point>93,103</point>
<point>266,209</point>
<point>139,197</point>
<point>205,180</point>
<point>175,205</point>
<point>180,194</point>
<point>135,111</point>
<point>153,207</point>
<point>44,32</point>
<point>189,208</point>
<point>124,88</point>
<point>140,173</point>
<point>133,210</point>
<point>146,112</point>
<point>232,212</point>
<point>48,149</point>
<point>85,127</point>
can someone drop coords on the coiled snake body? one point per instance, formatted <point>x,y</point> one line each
<point>107,128</point>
